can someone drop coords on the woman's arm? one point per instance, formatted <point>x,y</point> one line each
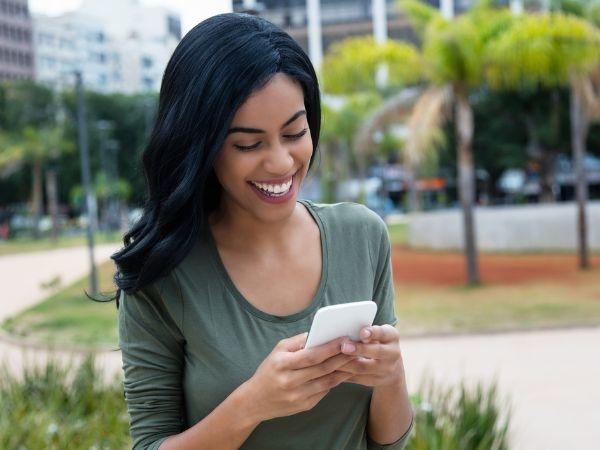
<point>390,414</point>
<point>226,427</point>
<point>152,349</point>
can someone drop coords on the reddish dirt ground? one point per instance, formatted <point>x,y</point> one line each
<point>446,268</point>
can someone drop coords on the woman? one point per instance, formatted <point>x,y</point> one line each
<point>220,278</point>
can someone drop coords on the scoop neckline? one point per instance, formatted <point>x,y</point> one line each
<point>316,301</point>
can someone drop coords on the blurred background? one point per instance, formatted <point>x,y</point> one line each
<point>471,127</point>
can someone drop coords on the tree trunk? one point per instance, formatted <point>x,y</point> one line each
<point>464,134</point>
<point>579,128</point>
<point>544,158</point>
<point>51,191</point>
<point>328,175</point>
<point>36,197</point>
<point>414,203</point>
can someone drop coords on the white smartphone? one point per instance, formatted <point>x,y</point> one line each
<point>345,319</point>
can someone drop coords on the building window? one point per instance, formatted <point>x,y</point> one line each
<point>174,27</point>
<point>148,83</point>
<point>146,62</point>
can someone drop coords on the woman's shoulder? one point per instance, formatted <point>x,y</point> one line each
<point>349,215</point>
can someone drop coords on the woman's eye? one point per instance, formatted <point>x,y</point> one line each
<point>244,148</point>
<point>297,136</point>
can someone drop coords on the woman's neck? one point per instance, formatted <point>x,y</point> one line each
<point>236,229</point>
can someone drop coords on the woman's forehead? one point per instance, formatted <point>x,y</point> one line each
<point>280,97</point>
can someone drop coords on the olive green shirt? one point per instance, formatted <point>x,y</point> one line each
<point>189,339</point>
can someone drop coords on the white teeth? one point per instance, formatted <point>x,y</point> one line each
<point>274,188</point>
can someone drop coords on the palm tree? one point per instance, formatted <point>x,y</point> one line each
<point>349,72</point>
<point>34,147</point>
<point>341,119</point>
<point>551,51</point>
<point>453,53</point>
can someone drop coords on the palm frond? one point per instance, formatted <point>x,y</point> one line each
<point>425,124</point>
<point>393,109</point>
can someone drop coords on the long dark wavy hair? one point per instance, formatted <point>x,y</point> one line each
<point>213,70</point>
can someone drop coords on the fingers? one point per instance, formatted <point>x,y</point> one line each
<point>324,383</point>
<point>301,376</point>
<point>361,366</point>
<point>373,350</point>
<point>310,400</point>
<point>294,343</point>
<point>307,357</point>
<point>382,333</point>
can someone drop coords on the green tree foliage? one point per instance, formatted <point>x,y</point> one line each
<point>542,50</point>
<point>351,65</point>
<point>28,123</point>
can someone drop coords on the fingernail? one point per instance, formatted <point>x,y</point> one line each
<point>366,333</point>
<point>347,347</point>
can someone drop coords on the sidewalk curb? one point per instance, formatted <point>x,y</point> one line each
<point>485,333</point>
<point>33,344</point>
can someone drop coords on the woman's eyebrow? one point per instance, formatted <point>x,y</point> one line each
<point>256,130</point>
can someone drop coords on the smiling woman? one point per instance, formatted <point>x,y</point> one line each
<point>220,278</point>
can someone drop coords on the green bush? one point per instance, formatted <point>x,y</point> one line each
<point>56,406</point>
<point>459,419</point>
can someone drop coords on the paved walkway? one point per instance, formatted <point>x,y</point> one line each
<point>552,377</point>
<point>22,274</point>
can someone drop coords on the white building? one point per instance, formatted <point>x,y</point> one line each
<point>71,42</point>
<point>119,45</point>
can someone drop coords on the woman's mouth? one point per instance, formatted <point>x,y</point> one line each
<point>274,190</point>
<point>278,192</point>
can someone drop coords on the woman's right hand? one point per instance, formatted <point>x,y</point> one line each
<point>293,379</point>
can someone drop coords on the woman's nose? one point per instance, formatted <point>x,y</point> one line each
<point>279,160</point>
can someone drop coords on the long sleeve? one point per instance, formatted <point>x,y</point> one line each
<point>384,296</point>
<point>152,349</point>
<point>383,288</point>
<point>397,445</point>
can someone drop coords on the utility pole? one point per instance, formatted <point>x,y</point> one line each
<point>86,178</point>
<point>516,7</point>
<point>447,9</point>
<point>379,14</point>
<point>315,38</point>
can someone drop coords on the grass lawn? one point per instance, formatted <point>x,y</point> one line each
<point>70,317</point>
<point>398,233</point>
<point>498,307</point>
<point>21,245</point>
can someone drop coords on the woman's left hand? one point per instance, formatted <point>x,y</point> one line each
<point>379,361</point>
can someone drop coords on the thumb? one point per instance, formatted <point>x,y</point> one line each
<point>295,343</point>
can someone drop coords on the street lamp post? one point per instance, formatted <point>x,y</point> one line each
<point>516,7</point>
<point>447,9</point>
<point>315,38</point>
<point>86,178</point>
<point>379,14</point>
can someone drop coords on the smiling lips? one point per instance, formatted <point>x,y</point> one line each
<point>281,188</point>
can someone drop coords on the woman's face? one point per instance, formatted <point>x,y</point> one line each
<point>265,156</point>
